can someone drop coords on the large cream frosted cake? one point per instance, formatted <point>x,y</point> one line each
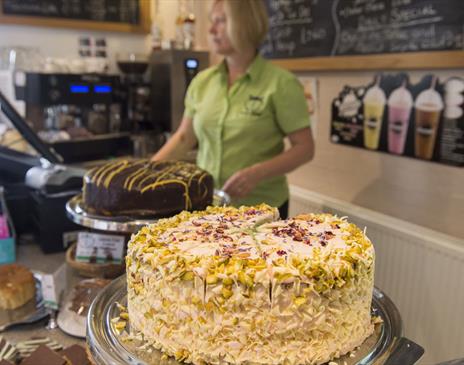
<point>239,286</point>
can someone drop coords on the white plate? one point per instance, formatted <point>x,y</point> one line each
<point>68,320</point>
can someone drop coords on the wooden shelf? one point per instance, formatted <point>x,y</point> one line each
<point>394,61</point>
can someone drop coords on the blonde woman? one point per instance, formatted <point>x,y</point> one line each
<point>240,111</point>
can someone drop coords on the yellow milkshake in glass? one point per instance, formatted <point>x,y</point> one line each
<point>374,105</point>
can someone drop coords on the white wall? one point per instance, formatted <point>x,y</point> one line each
<point>63,43</point>
<point>165,12</point>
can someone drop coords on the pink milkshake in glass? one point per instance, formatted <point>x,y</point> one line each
<point>400,105</point>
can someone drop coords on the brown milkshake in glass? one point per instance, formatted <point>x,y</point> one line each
<point>428,105</point>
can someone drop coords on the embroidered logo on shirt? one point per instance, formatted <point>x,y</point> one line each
<point>254,105</point>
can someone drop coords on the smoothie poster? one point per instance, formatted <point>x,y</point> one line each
<point>310,85</point>
<point>424,120</point>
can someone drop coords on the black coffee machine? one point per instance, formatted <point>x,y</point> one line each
<point>171,73</point>
<point>78,115</point>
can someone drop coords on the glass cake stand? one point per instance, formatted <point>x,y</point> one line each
<point>76,211</point>
<point>385,347</point>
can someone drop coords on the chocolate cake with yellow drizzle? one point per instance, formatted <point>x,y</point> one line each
<point>143,188</point>
<point>238,286</point>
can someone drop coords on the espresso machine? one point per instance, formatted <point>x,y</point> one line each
<point>136,90</point>
<point>78,115</point>
<point>171,73</point>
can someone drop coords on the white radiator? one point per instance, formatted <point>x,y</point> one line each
<point>421,270</point>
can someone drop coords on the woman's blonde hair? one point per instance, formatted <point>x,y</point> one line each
<point>247,22</point>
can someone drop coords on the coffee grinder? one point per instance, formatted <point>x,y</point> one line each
<point>137,93</point>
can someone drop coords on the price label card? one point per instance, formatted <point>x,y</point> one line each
<point>53,286</point>
<point>99,248</point>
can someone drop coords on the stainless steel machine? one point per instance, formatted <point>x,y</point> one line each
<point>171,73</point>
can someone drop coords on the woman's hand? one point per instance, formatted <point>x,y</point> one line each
<point>242,182</point>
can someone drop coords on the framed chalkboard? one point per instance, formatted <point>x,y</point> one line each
<point>365,34</point>
<point>106,15</point>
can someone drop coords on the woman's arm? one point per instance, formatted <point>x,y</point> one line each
<point>302,150</point>
<point>181,142</point>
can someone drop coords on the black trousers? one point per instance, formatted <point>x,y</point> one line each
<point>283,210</point>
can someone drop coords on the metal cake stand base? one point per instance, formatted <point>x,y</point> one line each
<point>385,346</point>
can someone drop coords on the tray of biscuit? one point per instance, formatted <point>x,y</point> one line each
<point>20,296</point>
<point>42,351</point>
<point>8,352</point>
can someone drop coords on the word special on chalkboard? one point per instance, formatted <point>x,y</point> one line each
<point>123,15</point>
<point>337,28</point>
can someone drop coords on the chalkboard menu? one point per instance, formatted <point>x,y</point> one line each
<point>319,28</point>
<point>119,11</point>
<point>116,15</point>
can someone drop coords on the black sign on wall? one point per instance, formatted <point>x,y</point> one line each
<point>317,28</point>
<point>423,120</point>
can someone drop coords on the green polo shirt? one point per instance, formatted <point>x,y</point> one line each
<point>245,124</point>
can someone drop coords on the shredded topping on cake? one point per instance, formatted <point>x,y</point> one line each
<point>243,286</point>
